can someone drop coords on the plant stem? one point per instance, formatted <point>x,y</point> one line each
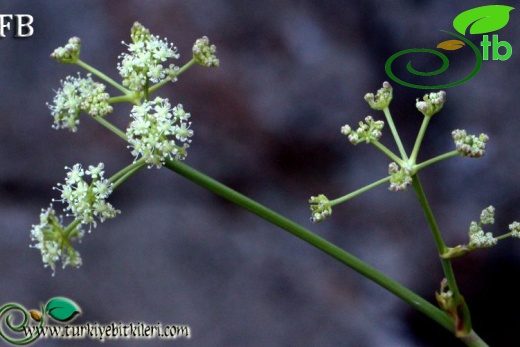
<point>437,237</point>
<point>118,178</point>
<point>388,152</point>
<point>102,76</point>
<point>359,191</point>
<point>397,139</point>
<point>111,127</point>
<point>122,98</point>
<point>472,339</point>
<point>418,140</point>
<point>180,71</point>
<point>461,315</point>
<point>431,161</point>
<point>334,251</point>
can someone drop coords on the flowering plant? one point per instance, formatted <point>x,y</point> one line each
<point>159,135</point>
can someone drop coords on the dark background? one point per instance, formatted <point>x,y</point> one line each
<point>267,123</point>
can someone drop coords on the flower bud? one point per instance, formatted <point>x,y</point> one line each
<point>68,54</point>
<point>382,99</point>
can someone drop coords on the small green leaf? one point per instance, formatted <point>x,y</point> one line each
<point>483,19</point>
<point>62,309</point>
<point>451,45</point>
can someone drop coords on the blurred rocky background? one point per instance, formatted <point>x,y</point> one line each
<point>267,123</point>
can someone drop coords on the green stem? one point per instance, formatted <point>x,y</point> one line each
<point>431,161</point>
<point>122,98</point>
<point>397,139</point>
<point>472,339</point>
<point>70,228</point>
<point>126,173</point>
<point>418,141</point>
<point>334,251</point>
<point>359,191</point>
<point>111,127</point>
<point>462,320</point>
<point>388,152</point>
<point>103,76</point>
<point>180,71</point>
<point>505,236</point>
<point>436,233</point>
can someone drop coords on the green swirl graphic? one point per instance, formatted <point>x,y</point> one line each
<point>16,328</point>
<point>444,67</point>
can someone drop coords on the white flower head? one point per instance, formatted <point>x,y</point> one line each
<point>382,99</point>
<point>515,229</point>
<point>320,208</point>
<point>469,145</point>
<point>55,241</point>
<point>368,131</point>
<point>68,54</point>
<point>431,103</point>
<point>155,128</point>
<point>400,178</point>
<point>78,94</point>
<point>86,201</point>
<point>146,59</point>
<point>204,53</point>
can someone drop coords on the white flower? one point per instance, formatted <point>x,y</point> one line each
<point>76,95</point>
<point>431,103</point>
<point>481,239</point>
<point>54,240</point>
<point>204,53</point>
<point>87,200</point>
<point>145,59</point>
<point>515,229</point>
<point>368,131</point>
<point>153,129</point>
<point>382,99</point>
<point>68,54</point>
<point>469,145</point>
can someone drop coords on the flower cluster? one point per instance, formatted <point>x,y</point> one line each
<point>54,241</point>
<point>477,237</point>
<point>431,103</point>
<point>204,53</point>
<point>151,131</point>
<point>368,131</point>
<point>145,59</point>
<point>78,94</point>
<point>400,178</point>
<point>470,145</point>
<point>515,229</point>
<point>382,99</point>
<point>68,54</point>
<point>320,207</point>
<point>87,200</point>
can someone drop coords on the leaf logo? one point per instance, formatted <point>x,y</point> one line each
<point>483,19</point>
<point>62,309</point>
<point>451,45</point>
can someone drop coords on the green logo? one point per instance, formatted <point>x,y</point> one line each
<point>479,20</point>
<point>60,309</point>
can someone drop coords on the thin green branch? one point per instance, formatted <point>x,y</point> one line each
<point>460,310</point>
<point>431,161</point>
<point>359,191</point>
<point>436,233</point>
<point>103,76</point>
<point>111,127</point>
<point>179,72</point>
<point>418,140</point>
<point>395,134</point>
<point>125,173</point>
<point>388,152</point>
<point>123,98</point>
